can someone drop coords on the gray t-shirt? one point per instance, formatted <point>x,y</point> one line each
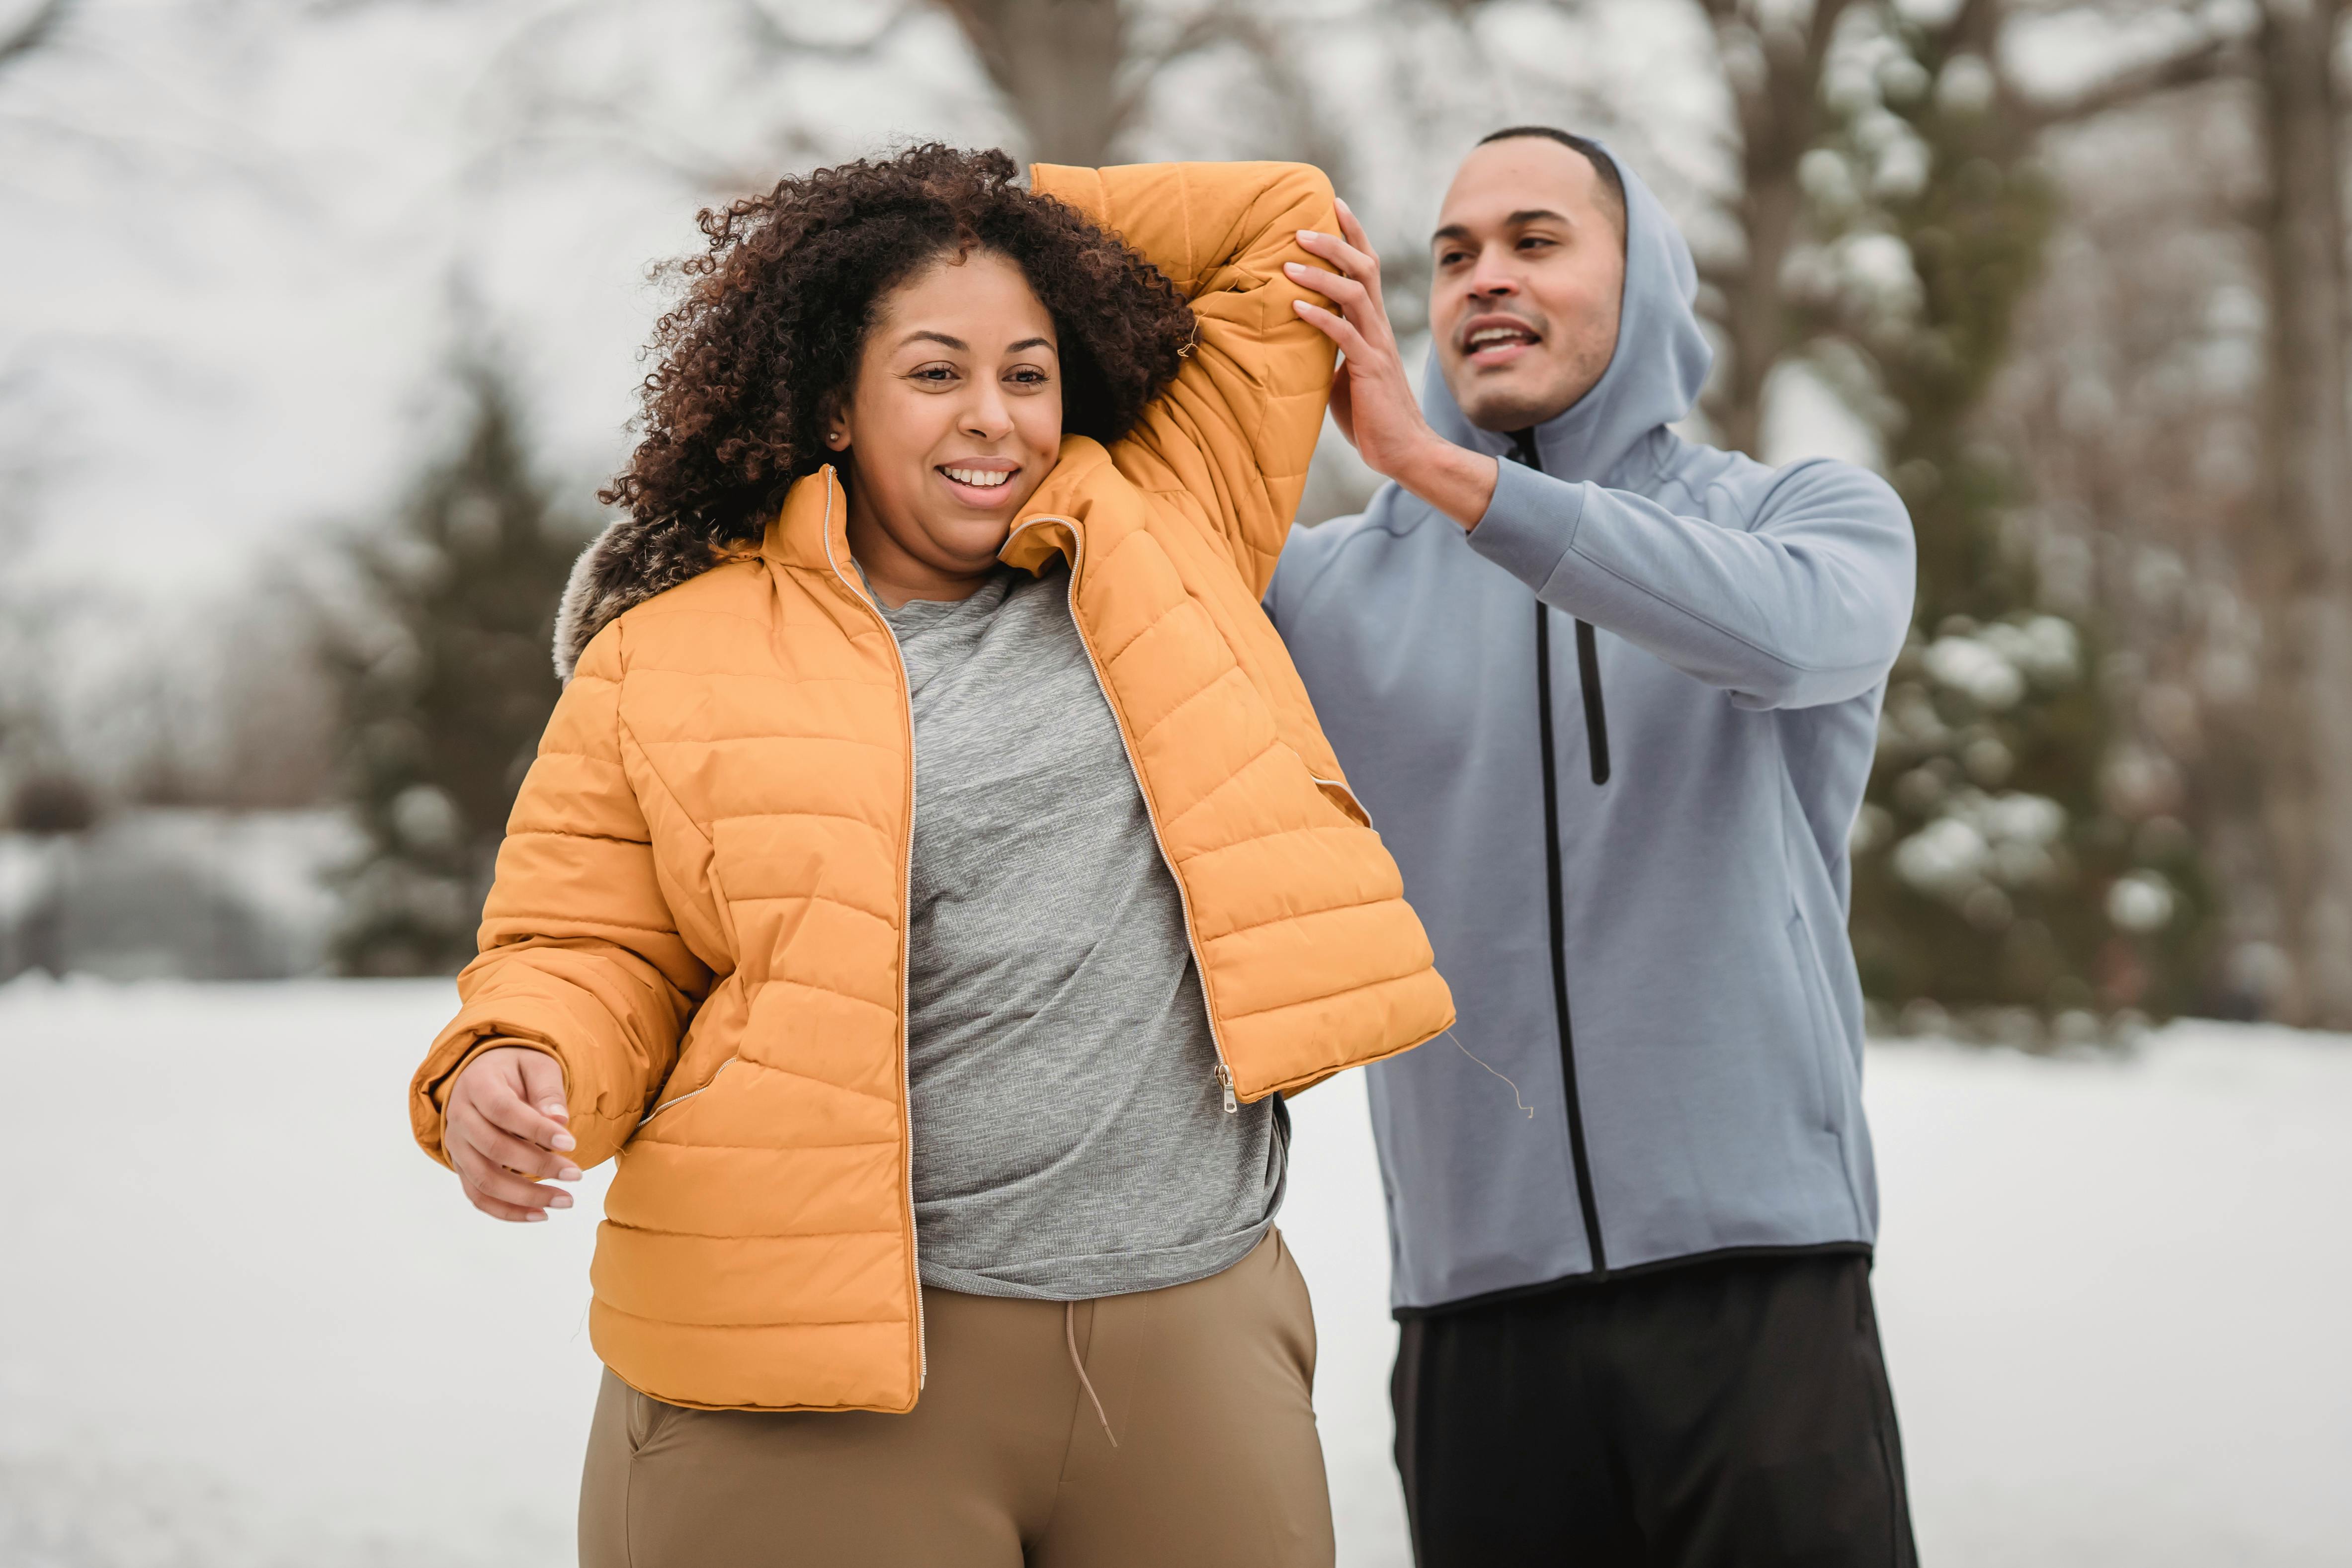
<point>1071,1139</point>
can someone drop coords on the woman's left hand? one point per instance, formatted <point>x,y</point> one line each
<point>1372,398</point>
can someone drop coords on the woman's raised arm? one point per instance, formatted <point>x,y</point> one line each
<point>1236,428</point>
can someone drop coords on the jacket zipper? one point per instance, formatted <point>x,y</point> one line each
<point>1225,1071</point>
<point>1524,450</point>
<point>905,918</point>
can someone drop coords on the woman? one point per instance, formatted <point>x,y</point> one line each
<point>930,880</point>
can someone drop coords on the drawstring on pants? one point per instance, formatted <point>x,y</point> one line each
<point>1070,1334</point>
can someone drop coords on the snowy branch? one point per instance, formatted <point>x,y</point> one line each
<point>31,35</point>
<point>2207,60</point>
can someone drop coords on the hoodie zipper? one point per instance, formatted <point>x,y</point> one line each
<point>1588,647</point>
<point>906,919</point>
<point>1225,1071</point>
<point>1596,715</point>
<point>1524,450</point>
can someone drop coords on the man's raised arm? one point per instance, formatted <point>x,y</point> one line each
<point>1808,606</point>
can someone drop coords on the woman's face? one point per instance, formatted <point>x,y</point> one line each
<point>954,421</point>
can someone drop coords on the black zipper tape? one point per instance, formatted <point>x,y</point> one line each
<point>1523,449</point>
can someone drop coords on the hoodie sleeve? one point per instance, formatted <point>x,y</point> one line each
<point>1807,606</point>
<point>1283,586</point>
<point>1234,431</point>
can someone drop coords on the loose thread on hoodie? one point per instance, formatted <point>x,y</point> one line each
<point>1465,1050</point>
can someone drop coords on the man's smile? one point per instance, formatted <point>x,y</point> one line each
<point>1495,339</point>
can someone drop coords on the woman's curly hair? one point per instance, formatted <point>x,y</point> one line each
<point>778,308</point>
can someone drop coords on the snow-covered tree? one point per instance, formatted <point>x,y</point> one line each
<point>445,685</point>
<point>2005,858</point>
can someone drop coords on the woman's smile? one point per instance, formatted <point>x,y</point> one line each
<point>983,482</point>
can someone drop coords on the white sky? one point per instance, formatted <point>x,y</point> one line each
<point>236,251</point>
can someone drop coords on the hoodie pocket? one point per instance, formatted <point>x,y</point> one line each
<point>1818,1015</point>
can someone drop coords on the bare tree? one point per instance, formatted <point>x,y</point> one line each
<point>26,745</point>
<point>2221,576</point>
<point>1078,75</point>
<point>1062,67</point>
<point>1772,61</point>
<point>33,31</point>
<point>2307,555</point>
<point>2183,405</point>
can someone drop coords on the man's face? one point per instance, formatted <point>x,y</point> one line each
<point>1529,274</point>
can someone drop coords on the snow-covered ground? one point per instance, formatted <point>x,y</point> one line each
<point>242,1321</point>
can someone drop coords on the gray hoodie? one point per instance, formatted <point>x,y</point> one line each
<point>1654,967</point>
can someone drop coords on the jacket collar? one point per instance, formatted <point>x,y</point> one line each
<point>632,561</point>
<point>811,530</point>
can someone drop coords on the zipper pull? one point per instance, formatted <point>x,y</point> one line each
<point>1225,1083</point>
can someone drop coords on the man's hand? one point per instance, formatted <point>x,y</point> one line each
<point>504,1131</point>
<point>1372,398</point>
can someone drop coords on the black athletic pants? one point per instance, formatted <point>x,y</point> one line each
<point>1722,1413</point>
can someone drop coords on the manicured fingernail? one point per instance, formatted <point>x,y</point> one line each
<point>1293,266</point>
<point>1312,234</point>
<point>561,1201</point>
<point>562,1141</point>
<point>534,1216</point>
<point>555,1108</point>
<point>569,1173</point>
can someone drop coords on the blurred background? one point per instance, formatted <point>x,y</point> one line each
<point>320,326</point>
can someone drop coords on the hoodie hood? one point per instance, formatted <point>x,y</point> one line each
<point>1652,379</point>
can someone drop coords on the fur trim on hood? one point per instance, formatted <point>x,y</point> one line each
<point>629,562</point>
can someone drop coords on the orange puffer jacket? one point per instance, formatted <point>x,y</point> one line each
<point>700,907</point>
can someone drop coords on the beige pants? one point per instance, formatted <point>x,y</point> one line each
<point>1005,1460</point>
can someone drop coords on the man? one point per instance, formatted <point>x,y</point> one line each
<point>1610,698</point>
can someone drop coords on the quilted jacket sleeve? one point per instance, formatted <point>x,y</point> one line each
<point>579,955</point>
<point>1236,428</point>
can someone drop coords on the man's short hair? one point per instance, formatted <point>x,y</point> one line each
<point>1613,183</point>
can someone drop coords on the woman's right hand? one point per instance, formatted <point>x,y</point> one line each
<point>504,1130</point>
